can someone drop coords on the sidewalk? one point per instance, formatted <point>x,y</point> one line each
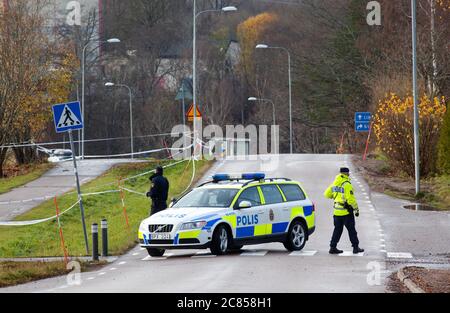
<point>55,182</point>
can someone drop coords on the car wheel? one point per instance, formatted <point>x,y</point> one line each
<point>220,241</point>
<point>155,252</point>
<point>296,238</point>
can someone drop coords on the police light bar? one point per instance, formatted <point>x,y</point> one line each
<point>253,176</point>
<point>221,177</point>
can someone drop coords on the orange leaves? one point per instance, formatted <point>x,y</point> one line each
<point>250,32</point>
<point>393,127</point>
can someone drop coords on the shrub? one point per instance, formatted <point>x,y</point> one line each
<point>394,129</point>
<point>444,145</point>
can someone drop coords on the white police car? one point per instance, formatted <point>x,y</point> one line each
<point>228,213</point>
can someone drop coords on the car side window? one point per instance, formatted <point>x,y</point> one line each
<point>293,192</point>
<point>252,195</point>
<point>271,194</point>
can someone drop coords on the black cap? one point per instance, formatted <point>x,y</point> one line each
<point>159,170</point>
<point>345,170</point>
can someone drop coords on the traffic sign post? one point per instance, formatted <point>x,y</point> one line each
<point>67,117</point>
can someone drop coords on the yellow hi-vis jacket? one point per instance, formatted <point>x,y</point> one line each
<point>342,192</point>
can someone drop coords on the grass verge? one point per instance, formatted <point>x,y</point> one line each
<point>25,175</point>
<point>16,273</point>
<point>42,240</point>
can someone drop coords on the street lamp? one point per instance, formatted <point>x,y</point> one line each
<point>83,65</point>
<point>264,46</point>
<point>109,84</point>
<point>416,96</point>
<point>254,99</point>
<point>194,58</point>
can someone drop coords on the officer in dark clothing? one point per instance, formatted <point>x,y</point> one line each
<point>159,191</point>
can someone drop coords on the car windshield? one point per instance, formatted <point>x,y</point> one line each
<point>207,198</point>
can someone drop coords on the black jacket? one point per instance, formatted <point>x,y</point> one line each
<point>159,190</point>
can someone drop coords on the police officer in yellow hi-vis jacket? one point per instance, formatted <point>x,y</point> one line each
<point>345,209</point>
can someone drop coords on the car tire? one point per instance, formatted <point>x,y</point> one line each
<point>155,252</point>
<point>296,237</point>
<point>220,241</point>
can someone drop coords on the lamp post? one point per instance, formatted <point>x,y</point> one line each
<point>416,97</point>
<point>194,59</point>
<point>264,46</point>
<point>254,99</point>
<point>83,75</point>
<point>131,112</point>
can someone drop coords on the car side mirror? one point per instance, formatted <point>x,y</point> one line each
<point>244,205</point>
<point>173,202</point>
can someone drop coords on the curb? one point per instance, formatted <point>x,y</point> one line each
<point>109,259</point>
<point>412,287</point>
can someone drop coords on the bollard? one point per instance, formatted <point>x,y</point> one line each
<point>104,238</point>
<point>95,242</point>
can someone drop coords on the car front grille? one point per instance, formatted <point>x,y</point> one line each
<point>160,228</point>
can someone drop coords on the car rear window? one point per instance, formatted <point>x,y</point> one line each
<point>271,194</point>
<point>293,192</point>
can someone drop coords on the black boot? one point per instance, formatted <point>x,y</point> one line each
<point>357,250</point>
<point>335,251</point>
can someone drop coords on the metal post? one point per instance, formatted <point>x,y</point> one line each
<point>94,242</point>
<point>194,72</point>
<point>131,123</point>
<point>291,136</point>
<point>183,104</point>
<point>104,238</point>
<point>80,199</point>
<point>83,77</point>
<point>416,98</point>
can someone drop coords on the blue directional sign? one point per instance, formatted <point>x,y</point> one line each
<point>67,116</point>
<point>362,121</point>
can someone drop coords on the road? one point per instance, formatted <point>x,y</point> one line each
<point>268,267</point>
<point>57,181</point>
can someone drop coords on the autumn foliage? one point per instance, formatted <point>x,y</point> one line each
<point>394,129</point>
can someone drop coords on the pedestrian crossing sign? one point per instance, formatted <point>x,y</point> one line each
<point>67,116</point>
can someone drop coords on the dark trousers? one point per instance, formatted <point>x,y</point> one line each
<point>158,206</point>
<point>349,222</point>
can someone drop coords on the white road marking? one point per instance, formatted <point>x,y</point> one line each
<point>101,274</point>
<point>383,251</point>
<point>399,255</point>
<point>202,254</point>
<point>91,278</point>
<point>122,263</point>
<point>254,253</point>
<point>303,253</point>
<point>113,269</point>
<point>149,258</point>
<point>350,253</point>
<point>135,254</point>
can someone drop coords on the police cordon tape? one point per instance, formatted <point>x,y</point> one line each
<point>39,221</point>
<point>55,143</point>
<point>34,222</point>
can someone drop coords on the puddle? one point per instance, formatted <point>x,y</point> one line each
<point>420,207</point>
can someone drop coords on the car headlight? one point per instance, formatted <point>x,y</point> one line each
<point>193,225</point>
<point>143,228</point>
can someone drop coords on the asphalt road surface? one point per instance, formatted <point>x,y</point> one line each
<point>268,267</point>
<point>55,182</point>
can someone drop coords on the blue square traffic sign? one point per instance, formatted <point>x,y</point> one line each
<point>362,127</point>
<point>67,116</point>
<point>361,117</point>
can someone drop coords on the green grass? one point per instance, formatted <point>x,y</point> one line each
<point>15,273</point>
<point>32,172</point>
<point>42,240</point>
<point>440,195</point>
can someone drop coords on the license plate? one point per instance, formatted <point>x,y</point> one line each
<point>161,236</point>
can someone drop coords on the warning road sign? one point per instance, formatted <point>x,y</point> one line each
<point>190,113</point>
<point>67,116</point>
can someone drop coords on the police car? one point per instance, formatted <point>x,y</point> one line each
<point>227,213</point>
